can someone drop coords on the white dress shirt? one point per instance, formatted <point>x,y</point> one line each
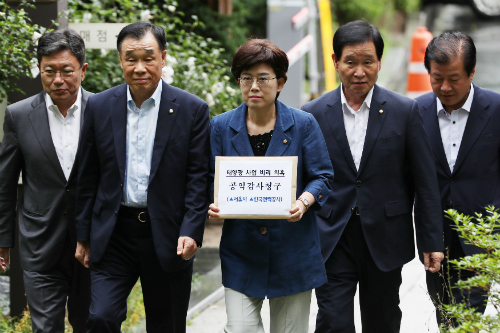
<point>355,123</point>
<point>65,131</point>
<point>141,131</point>
<point>452,127</point>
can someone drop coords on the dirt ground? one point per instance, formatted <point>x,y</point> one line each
<point>213,231</point>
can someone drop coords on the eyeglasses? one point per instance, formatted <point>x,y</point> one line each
<point>261,80</point>
<point>66,74</point>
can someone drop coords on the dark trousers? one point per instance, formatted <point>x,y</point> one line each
<point>131,255</point>
<point>438,284</point>
<point>48,293</point>
<point>349,264</point>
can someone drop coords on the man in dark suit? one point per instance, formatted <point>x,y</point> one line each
<point>462,122</point>
<point>142,188</point>
<point>376,143</point>
<point>40,139</point>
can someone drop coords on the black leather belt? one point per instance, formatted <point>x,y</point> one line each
<point>134,213</point>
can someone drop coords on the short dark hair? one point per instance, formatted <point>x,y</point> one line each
<point>357,32</point>
<point>58,40</point>
<point>138,30</point>
<point>450,46</point>
<point>257,51</point>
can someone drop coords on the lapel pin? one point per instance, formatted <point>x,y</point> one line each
<point>171,111</point>
<point>285,141</point>
<point>381,111</point>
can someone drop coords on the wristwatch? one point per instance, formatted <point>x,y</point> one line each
<point>305,202</point>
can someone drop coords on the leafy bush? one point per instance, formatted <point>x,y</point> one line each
<point>249,19</point>
<point>17,51</point>
<point>194,62</point>
<point>481,231</point>
<point>379,12</point>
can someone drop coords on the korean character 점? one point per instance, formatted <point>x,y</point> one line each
<point>269,186</point>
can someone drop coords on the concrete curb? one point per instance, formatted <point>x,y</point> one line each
<point>205,303</point>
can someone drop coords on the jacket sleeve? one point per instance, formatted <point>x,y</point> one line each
<point>88,176</point>
<point>317,167</point>
<point>428,216</point>
<point>11,161</point>
<point>196,200</point>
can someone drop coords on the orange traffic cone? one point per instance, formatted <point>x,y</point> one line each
<point>418,78</point>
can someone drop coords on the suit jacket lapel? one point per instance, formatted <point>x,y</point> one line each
<point>335,117</point>
<point>164,124</point>
<point>280,141</point>
<point>431,124</point>
<point>240,139</point>
<point>118,113</point>
<point>85,97</point>
<point>478,118</point>
<point>40,123</point>
<point>375,122</point>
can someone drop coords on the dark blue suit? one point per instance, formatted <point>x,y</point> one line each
<point>396,161</point>
<point>286,259</point>
<point>475,181</point>
<point>177,194</point>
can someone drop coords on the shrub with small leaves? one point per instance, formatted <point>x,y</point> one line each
<point>18,37</point>
<point>482,232</point>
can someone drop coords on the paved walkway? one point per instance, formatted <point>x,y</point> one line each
<point>418,311</point>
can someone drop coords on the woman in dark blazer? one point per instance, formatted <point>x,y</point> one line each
<point>277,259</point>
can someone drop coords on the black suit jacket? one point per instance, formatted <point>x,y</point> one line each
<point>178,181</point>
<point>396,160</point>
<point>47,213</point>
<point>475,180</point>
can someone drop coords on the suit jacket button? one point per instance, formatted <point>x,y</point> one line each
<point>285,141</point>
<point>358,183</point>
<point>121,185</point>
<point>352,209</point>
<point>263,230</point>
<point>320,197</point>
<point>67,190</point>
<point>452,180</point>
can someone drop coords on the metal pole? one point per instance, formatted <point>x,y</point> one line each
<point>313,55</point>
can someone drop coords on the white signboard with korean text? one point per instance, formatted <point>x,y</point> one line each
<point>255,187</point>
<point>98,35</point>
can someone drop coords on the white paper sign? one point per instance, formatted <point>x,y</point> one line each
<point>98,35</point>
<point>255,187</point>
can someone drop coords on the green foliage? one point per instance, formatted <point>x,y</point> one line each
<point>247,20</point>
<point>17,36</point>
<point>16,325</point>
<point>480,231</point>
<point>194,63</point>
<point>378,12</point>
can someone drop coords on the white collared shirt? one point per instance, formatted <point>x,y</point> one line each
<point>65,131</point>
<point>355,123</point>
<point>452,127</point>
<point>141,131</point>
